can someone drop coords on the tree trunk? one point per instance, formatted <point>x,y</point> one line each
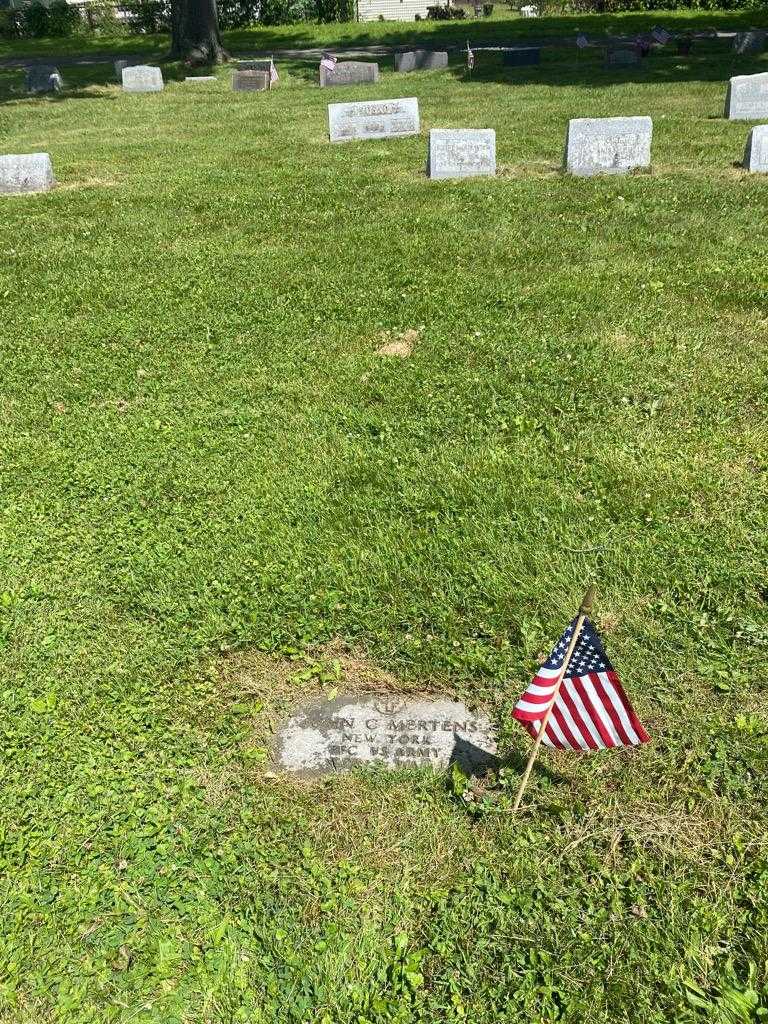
<point>195,35</point>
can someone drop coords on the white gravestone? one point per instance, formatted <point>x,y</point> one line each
<point>747,97</point>
<point>142,78</point>
<point>462,152</point>
<point>756,153</point>
<point>607,145</point>
<point>26,172</point>
<point>373,119</point>
<point>329,736</point>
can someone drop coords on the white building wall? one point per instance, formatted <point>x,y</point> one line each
<point>392,10</point>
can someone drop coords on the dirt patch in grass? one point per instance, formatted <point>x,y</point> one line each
<point>399,345</point>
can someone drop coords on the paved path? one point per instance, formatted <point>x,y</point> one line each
<point>315,53</point>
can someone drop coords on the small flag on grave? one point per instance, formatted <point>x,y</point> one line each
<point>661,35</point>
<point>576,700</point>
<point>581,41</point>
<point>328,61</point>
<point>470,58</point>
<point>273,75</point>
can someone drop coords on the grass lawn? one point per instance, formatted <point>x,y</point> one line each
<point>217,498</point>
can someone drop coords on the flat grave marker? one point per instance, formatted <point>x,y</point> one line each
<point>324,736</point>
<point>462,153</point>
<point>349,72</point>
<point>142,78</point>
<point>25,172</point>
<point>521,56</point>
<point>622,57</point>
<point>607,145</point>
<point>747,97</point>
<point>421,60</point>
<point>756,152</point>
<point>200,78</point>
<point>44,78</point>
<point>373,119</point>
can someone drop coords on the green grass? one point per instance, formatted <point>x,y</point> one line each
<point>211,480</point>
<point>503,27</point>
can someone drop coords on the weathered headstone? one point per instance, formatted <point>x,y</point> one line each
<point>756,153</point>
<point>462,152</point>
<point>121,64</point>
<point>329,736</point>
<point>44,78</point>
<point>349,72</point>
<point>200,78</point>
<point>373,119</point>
<point>749,42</point>
<point>747,97</point>
<point>607,145</point>
<point>520,56</point>
<point>421,60</point>
<point>26,172</point>
<point>622,57</point>
<point>259,64</point>
<point>142,78</point>
<point>250,81</point>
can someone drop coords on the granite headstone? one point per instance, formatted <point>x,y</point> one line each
<point>26,172</point>
<point>747,97</point>
<point>44,78</point>
<point>349,72</point>
<point>462,152</point>
<point>607,145</point>
<point>142,78</point>
<point>756,153</point>
<point>520,56</point>
<point>324,736</point>
<point>373,119</point>
<point>749,42</point>
<point>421,60</point>
<point>250,81</point>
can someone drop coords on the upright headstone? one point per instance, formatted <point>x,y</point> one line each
<point>123,63</point>
<point>421,60</point>
<point>622,57</point>
<point>756,153</point>
<point>373,119</point>
<point>44,78</point>
<point>462,152</point>
<point>747,97</point>
<point>607,145</point>
<point>26,172</point>
<point>749,42</point>
<point>325,736</point>
<point>349,72</point>
<point>142,78</point>
<point>250,81</point>
<point>521,56</point>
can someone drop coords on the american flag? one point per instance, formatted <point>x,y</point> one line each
<point>582,42</point>
<point>273,76</point>
<point>328,62</point>
<point>470,58</point>
<point>591,710</point>
<point>661,35</point>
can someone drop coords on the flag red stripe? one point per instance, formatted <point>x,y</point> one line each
<point>594,714</point>
<point>559,717</point>
<point>636,723</point>
<point>566,698</point>
<point>552,736</point>
<point>608,705</point>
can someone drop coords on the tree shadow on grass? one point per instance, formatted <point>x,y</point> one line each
<point>79,82</point>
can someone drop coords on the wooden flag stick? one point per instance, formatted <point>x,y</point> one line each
<point>584,610</point>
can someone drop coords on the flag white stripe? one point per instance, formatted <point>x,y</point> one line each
<point>538,690</point>
<point>548,673</point>
<point>524,705</point>
<point>554,726</point>
<point>618,704</point>
<point>562,707</point>
<point>544,739</point>
<point>599,707</point>
<point>585,712</point>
